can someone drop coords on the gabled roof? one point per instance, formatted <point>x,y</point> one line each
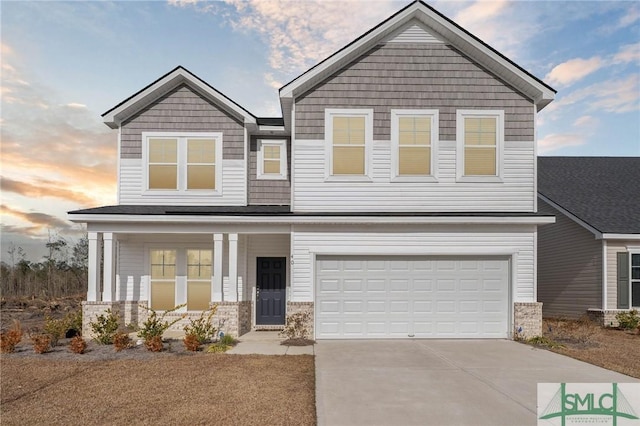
<point>174,78</point>
<point>480,52</point>
<point>602,192</point>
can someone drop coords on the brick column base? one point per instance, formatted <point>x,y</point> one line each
<point>294,307</point>
<point>527,320</point>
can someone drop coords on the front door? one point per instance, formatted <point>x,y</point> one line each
<point>270,290</point>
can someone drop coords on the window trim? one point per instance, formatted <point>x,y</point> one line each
<point>396,114</point>
<point>498,115</point>
<point>282,143</point>
<point>182,164</point>
<point>632,252</point>
<point>329,113</point>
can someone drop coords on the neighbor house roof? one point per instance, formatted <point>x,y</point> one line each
<point>602,192</point>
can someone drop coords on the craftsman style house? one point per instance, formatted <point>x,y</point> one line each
<point>395,198</point>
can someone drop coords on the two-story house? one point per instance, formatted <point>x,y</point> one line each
<point>395,198</point>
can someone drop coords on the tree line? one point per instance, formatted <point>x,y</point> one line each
<point>62,272</point>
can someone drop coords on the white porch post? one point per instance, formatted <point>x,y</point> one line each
<point>233,267</point>
<point>108,280</point>
<point>216,294</point>
<point>93,290</point>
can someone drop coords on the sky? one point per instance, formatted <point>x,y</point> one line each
<point>63,64</point>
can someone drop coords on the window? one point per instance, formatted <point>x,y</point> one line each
<point>163,279</point>
<point>349,137</point>
<point>199,273</point>
<point>635,280</point>
<point>182,163</point>
<point>272,159</point>
<point>180,276</point>
<point>413,144</point>
<point>480,140</point>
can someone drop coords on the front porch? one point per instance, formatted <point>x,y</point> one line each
<point>245,275</point>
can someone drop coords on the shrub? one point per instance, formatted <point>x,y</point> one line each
<point>9,339</point>
<point>105,327</point>
<point>218,348</point>
<point>297,325</point>
<point>122,341</point>
<point>41,342</point>
<point>227,339</point>
<point>68,326</point>
<point>78,345</point>
<point>74,321</point>
<point>191,342</point>
<point>628,320</point>
<point>544,341</point>
<point>155,326</point>
<point>202,328</point>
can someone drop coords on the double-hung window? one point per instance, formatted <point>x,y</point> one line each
<point>182,163</point>
<point>272,159</point>
<point>163,279</point>
<point>348,134</point>
<point>480,140</point>
<point>199,273</point>
<point>413,144</point>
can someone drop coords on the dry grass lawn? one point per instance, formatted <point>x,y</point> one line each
<point>200,389</point>
<point>613,349</point>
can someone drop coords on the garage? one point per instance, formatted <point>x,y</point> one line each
<point>411,296</point>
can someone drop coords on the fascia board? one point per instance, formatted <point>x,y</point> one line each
<point>311,220</point>
<point>114,117</point>
<point>571,216</point>
<point>621,237</point>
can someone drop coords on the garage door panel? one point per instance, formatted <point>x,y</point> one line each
<point>378,297</point>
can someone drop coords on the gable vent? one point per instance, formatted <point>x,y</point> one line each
<point>413,34</point>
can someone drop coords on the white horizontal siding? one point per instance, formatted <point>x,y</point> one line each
<point>312,193</point>
<point>234,187</point>
<point>131,282</point>
<point>468,241</point>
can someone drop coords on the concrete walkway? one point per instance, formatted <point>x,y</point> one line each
<point>267,343</point>
<point>439,382</point>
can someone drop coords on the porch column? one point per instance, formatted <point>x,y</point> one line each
<point>216,294</point>
<point>233,267</point>
<point>108,281</point>
<point>93,289</point>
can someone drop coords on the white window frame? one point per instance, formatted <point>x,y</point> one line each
<point>498,115</point>
<point>181,279</point>
<point>396,114</point>
<point>632,252</point>
<point>368,143</point>
<point>182,164</point>
<point>282,143</point>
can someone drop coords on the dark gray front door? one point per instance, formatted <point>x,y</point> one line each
<point>270,290</point>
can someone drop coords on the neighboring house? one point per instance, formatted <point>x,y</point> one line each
<point>589,260</point>
<point>395,198</point>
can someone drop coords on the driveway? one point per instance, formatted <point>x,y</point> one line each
<point>439,382</point>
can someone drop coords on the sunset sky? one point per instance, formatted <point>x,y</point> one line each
<point>65,63</point>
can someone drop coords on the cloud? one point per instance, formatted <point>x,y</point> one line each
<point>44,188</point>
<point>627,53</point>
<point>479,12</point>
<point>629,17</point>
<point>586,121</point>
<point>76,105</point>
<point>554,142</point>
<point>573,70</point>
<point>37,222</point>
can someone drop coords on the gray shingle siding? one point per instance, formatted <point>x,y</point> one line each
<point>407,75</point>
<point>274,192</point>
<point>182,109</point>
<point>569,267</point>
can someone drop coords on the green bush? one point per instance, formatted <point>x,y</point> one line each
<point>227,339</point>
<point>202,329</point>
<point>628,320</point>
<point>105,327</point>
<point>58,328</point>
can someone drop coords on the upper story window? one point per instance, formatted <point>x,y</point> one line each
<point>413,144</point>
<point>348,134</point>
<point>182,162</point>
<point>272,159</point>
<point>480,141</point>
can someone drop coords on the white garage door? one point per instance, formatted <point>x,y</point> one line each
<point>400,296</point>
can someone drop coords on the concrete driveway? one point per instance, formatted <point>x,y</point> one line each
<point>439,382</point>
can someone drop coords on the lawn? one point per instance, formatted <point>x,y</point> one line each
<point>613,349</point>
<point>197,389</point>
